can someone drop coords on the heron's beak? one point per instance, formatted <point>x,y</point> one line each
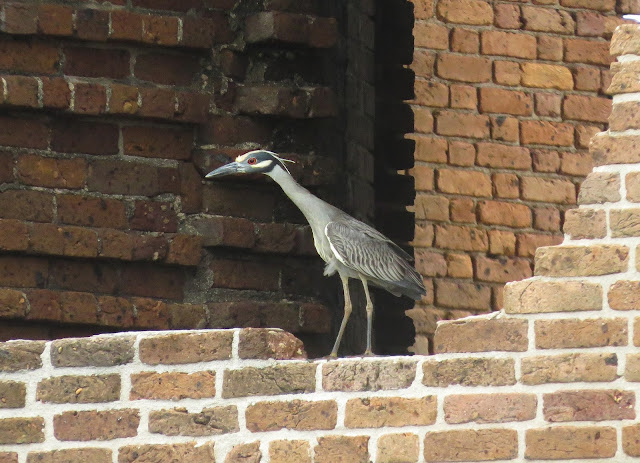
<point>228,169</point>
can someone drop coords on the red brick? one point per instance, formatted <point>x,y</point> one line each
<point>422,119</point>
<point>423,62</point>
<point>89,98</point>
<point>453,123</point>
<point>464,182</point>
<point>502,243</point>
<point>29,205</point>
<point>154,216</point>
<point>503,156</point>
<point>91,212</point>
<point>463,68</point>
<point>550,190</point>
<point>587,78</point>
<point>201,32</point>
<point>167,69</point>
<point>496,100</point>
<point>475,12</point>
<point>21,91</point>
<point>502,269</point>
<point>547,20</point>
<point>507,16</point>
<point>30,57</point>
<point>123,99</point>
<point>546,160</point>
<point>550,48</point>
<point>464,97</point>
<point>546,133</point>
<point>160,30</point>
<point>157,102</point>
<point>548,104</point>
<point>506,186</point>
<point>529,242</point>
<point>505,128</point>
<point>92,24</point>
<point>506,72</point>
<point>459,237</point>
<point>508,44</point>
<point>430,263</point>
<point>430,149</point>
<point>432,207</point>
<point>166,143</point>
<point>431,93</point>
<point>148,280</point>
<point>543,75</point>
<point>576,164</point>
<point>464,41</point>
<point>463,210</point>
<point>96,62</point>
<point>193,107</point>
<point>19,19</point>
<point>602,5</point>
<point>231,274</point>
<point>126,25</point>
<point>504,213</point>
<point>73,136</point>
<point>463,295</point>
<point>587,51</point>
<point>116,177</point>
<point>25,133</point>
<point>55,93</point>
<point>586,108</point>
<point>489,408</point>
<point>431,35</point>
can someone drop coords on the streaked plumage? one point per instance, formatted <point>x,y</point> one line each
<point>349,247</point>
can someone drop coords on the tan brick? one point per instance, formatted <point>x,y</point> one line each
<point>261,343</point>
<point>20,355</point>
<point>172,385</point>
<point>244,453</point>
<point>422,119</point>
<point>12,395</point>
<point>342,449</point>
<point>481,336</point>
<point>501,269</point>
<point>606,149</point>
<point>585,223</point>
<point>624,222</point>
<point>546,133</point>
<point>21,430</point>
<point>188,452</point>
<point>489,408</point>
<point>507,16</point>
<point>97,351</point>
<point>96,425</point>
<point>569,368</point>
<point>186,348</point>
<point>529,242</point>
<point>80,455</point>
<point>624,295</point>
<point>503,156</point>
<point>512,44</point>
<point>600,187</point>
<point>581,260</point>
<point>503,213</point>
<point>550,48</point>
<point>364,375</point>
<point>636,332</point>
<point>461,153</point>
<point>623,80</point>
<point>431,207</point>
<point>546,219</point>
<point>179,422</point>
<point>547,20</point>
<point>431,35</point>
<point>586,108</point>
<point>591,405</point>
<point>464,182</point>
<point>552,296</point>
<point>296,414</point>
<point>631,440</point>
<point>463,295</point>
<point>290,378</point>
<point>423,62</point>
<point>431,94</point>
<point>507,72</point>
<point>602,5</point>
<point>289,451</point>
<point>632,368</point>
<point>540,75</point>
<point>476,12</point>
<point>452,123</point>
<point>398,448</point>
<point>79,389</point>
<point>497,100</point>
<point>624,116</point>
<point>459,266</point>
<point>462,238</point>
<point>578,442</point>
<point>502,243</point>
<point>550,190</point>
<point>625,40</point>
<point>463,68</point>
<point>632,183</point>
<point>377,412</point>
<point>463,210</point>
<point>429,149</point>
<point>12,457</point>
<point>569,333</point>
<point>471,445</point>
<point>468,372</point>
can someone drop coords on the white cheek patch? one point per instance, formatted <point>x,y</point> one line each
<point>242,157</point>
<point>262,164</point>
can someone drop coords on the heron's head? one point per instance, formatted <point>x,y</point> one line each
<point>253,162</point>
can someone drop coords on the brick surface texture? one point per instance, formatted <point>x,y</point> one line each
<point>534,76</point>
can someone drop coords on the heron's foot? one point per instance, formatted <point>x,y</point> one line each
<point>368,353</point>
<point>332,356</point>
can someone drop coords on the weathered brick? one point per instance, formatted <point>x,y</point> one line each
<point>548,190</point>
<point>188,452</point>
<point>471,445</point>
<point>376,412</point>
<point>364,375</point>
<point>462,238</point>
<point>606,149</point>
<point>459,266</point>
<point>79,389</point>
<point>172,385</point>
<point>585,224</point>
<point>21,91</point>
<point>529,242</point>
<point>624,295</point>
<point>552,296</point>
<point>632,367</point>
<point>154,142</point>
<point>586,108</point>
<point>333,449</point>
<point>631,440</point>
<point>481,336</point>
<point>581,260</point>
<point>463,210</point>
<point>464,182</point>
<point>12,395</point>
<point>587,51</point>
<point>431,94</point>
<point>465,41</point>
<point>95,455</point>
<point>289,451</point>
<point>502,243</point>
<point>296,414</point>
<point>624,222</point>
<point>186,348</point>
<point>282,379</point>
<point>51,172</point>
<point>568,333</point>
<point>546,76</point>
<point>507,16</point>
<point>508,44</point>
<point>632,183</point>
<point>40,57</point>
<point>96,351</point>
<point>503,213</point>
<point>501,269</point>
<point>96,425</point>
<point>579,442</point>
<point>476,12</point>
<point>546,133</point>
<point>266,343</point>
<point>547,20</point>
<point>462,295</point>
<point>21,355</point>
<point>550,48</point>
<point>398,448</point>
<point>489,408</point>
<point>548,104</point>
<point>503,156</point>
<point>431,35</point>
<point>21,430</point>
<point>463,68</point>
<point>600,187</point>
<point>569,368</point>
<point>591,405</point>
<point>179,422</point>
<point>431,149</point>
<point>468,372</point>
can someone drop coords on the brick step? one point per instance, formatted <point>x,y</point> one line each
<point>43,305</point>
<point>106,25</point>
<point>47,239</point>
<point>292,28</point>
<point>115,99</point>
<point>294,102</point>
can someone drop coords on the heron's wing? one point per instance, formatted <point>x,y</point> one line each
<point>370,232</point>
<point>371,254</point>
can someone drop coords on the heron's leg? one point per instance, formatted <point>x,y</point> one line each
<point>347,312</point>
<point>369,315</point>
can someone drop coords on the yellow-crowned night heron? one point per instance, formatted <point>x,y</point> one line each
<point>348,246</point>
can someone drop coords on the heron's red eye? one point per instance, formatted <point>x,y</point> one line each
<point>252,161</point>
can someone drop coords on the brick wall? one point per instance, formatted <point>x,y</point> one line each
<point>112,111</point>
<point>506,97</point>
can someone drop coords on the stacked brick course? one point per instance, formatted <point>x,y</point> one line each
<point>507,97</point>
